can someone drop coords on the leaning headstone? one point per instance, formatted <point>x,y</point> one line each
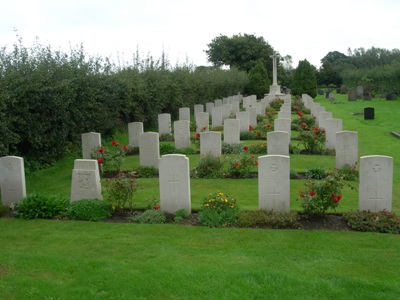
<point>352,95</point>
<point>359,92</point>
<point>244,118</point>
<point>12,179</point>
<point>202,121</point>
<point>134,129</point>
<point>346,149</point>
<point>376,183</point>
<point>216,117</point>
<point>149,149</point>
<point>274,183</point>
<point>277,143</point>
<point>332,126</point>
<point>182,134</point>
<point>210,143</point>
<point>184,113</point>
<point>85,183</point>
<point>231,131</point>
<point>164,124</point>
<point>91,141</point>
<point>174,183</point>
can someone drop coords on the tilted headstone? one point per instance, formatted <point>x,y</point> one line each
<point>232,131</point>
<point>277,143</point>
<point>346,149</point>
<point>202,122</point>
<point>352,95</point>
<point>134,129</point>
<point>174,183</point>
<point>376,183</point>
<point>149,149</point>
<point>244,118</point>
<point>85,183</point>
<point>182,134</point>
<point>12,179</point>
<point>91,141</point>
<point>216,117</point>
<point>210,143</point>
<point>184,113</point>
<point>332,126</point>
<point>391,96</point>
<point>164,124</point>
<point>274,183</point>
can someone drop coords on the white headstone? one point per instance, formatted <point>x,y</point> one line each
<point>85,182</point>
<point>284,115</point>
<point>210,143</point>
<point>198,108</point>
<point>216,117</point>
<point>218,103</point>
<point>209,107</point>
<point>244,118</point>
<point>182,134</point>
<point>252,115</point>
<point>226,111</point>
<point>277,143</point>
<point>164,124</point>
<point>174,183</point>
<point>91,141</point>
<point>231,131</point>
<point>134,129</point>
<point>184,113</point>
<point>376,183</point>
<point>202,121</point>
<point>149,149</point>
<point>12,179</point>
<point>283,125</point>
<point>274,183</point>
<point>346,149</point>
<point>332,126</point>
<point>322,117</point>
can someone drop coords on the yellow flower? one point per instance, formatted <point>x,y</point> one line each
<point>206,204</point>
<point>232,205</point>
<point>220,194</point>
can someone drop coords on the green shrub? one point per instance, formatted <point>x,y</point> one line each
<point>150,216</point>
<point>276,104</point>
<point>248,135</point>
<point>232,148</point>
<point>210,166</point>
<point>294,174</point>
<point>349,173</point>
<point>313,140</point>
<point>218,210</point>
<point>41,206</point>
<point>382,221</point>
<point>166,138</point>
<point>180,215</point>
<point>119,191</point>
<point>89,210</point>
<point>241,166</point>
<point>267,219</point>
<point>315,173</point>
<point>110,159</point>
<point>147,172</point>
<point>166,148</point>
<point>258,148</point>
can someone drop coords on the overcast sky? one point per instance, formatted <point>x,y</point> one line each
<point>306,29</point>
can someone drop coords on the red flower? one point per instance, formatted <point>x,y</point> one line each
<point>303,124</point>
<point>300,114</point>
<point>101,150</point>
<point>197,135</point>
<point>312,193</point>
<point>316,129</point>
<point>100,160</point>
<point>336,200</point>
<point>204,128</point>
<point>339,197</point>
<point>250,128</point>
<point>156,207</point>
<point>245,148</point>
<point>114,143</point>
<point>268,126</point>
<point>256,163</point>
<point>333,195</point>
<point>237,164</point>
<point>302,195</point>
<point>258,134</point>
<point>126,148</point>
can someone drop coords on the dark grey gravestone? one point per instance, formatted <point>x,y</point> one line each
<point>369,113</point>
<point>343,89</point>
<point>352,95</point>
<point>367,96</point>
<point>359,92</point>
<point>391,96</point>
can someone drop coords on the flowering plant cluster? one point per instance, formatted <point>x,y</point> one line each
<point>218,210</point>
<point>312,138</point>
<point>321,195</point>
<point>195,139</point>
<point>262,128</point>
<point>242,165</point>
<point>258,148</point>
<point>119,191</point>
<point>110,160</point>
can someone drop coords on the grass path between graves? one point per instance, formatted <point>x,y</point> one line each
<point>42,259</point>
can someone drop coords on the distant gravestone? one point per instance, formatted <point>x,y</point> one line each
<point>184,113</point>
<point>12,179</point>
<point>182,134</point>
<point>359,92</point>
<point>198,108</point>
<point>277,143</point>
<point>226,111</point>
<point>283,125</point>
<point>352,95</point>
<point>209,107</point>
<point>210,143</point>
<point>274,183</point>
<point>391,96</point>
<point>244,118</point>
<point>149,149</point>
<point>174,183</point>
<point>85,183</point>
<point>231,131</point>
<point>216,117</point>
<point>331,96</point>
<point>202,121</point>
<point>376,183</point>
<point>332,126</point>
<point>343,89</point>
<point>322,117</point>
<point>369,113</point>
<point>235,107</point>
<point>367,96</point>
<point>91,141</point>
<point>346,149</point>
<point>218,103</point>
<point>252,115</point>
<point>164,124</point>
<point>134,129</point>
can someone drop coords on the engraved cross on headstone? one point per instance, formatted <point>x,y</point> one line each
<point>273,193</point>
<point>173,182</point>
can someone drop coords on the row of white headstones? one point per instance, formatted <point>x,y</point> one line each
<point>376,171</point>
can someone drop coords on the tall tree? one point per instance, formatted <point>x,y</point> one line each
<point>258,81</point>
<point>304,80</point>
<point>241,51</point>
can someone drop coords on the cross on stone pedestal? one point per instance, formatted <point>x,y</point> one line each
<point>274,67</point>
